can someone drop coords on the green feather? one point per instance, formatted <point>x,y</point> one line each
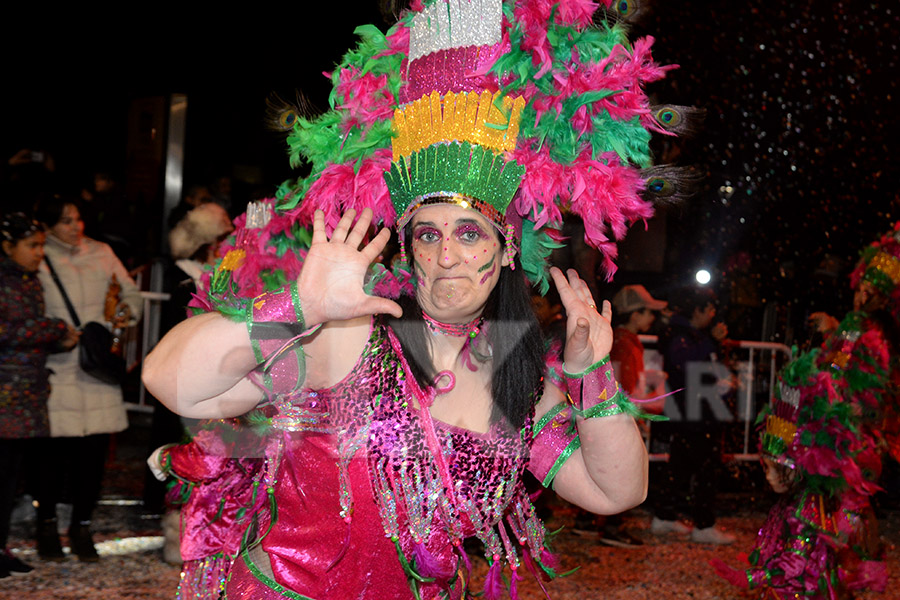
<point>535,249</point>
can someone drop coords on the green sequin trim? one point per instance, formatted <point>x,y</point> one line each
<point>600,363</point>
<point>605,409</point>
<point>268,581</point>
<point>459,167</point>
<point>574,445</point>
<point>295,298</point>
<point>549,417</point>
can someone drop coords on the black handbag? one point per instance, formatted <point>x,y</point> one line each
<point>95,355</point>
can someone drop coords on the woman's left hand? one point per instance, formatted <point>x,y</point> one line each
<point>589,334</point>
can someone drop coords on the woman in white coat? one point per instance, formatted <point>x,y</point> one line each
<point>83,410</point>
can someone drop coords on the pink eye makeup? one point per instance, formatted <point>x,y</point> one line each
<point>426,234</point>
<point>469,232</point>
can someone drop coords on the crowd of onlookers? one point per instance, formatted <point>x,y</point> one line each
<point>62,269</point>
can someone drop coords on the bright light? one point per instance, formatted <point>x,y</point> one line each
<point>703,276</point>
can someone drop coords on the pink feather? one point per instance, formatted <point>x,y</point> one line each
<point>365,99</point>
<point>493,583</point>
<point>465,558</point>
<point>428,565</point>
<point>514,580</point>
<point>548,559</point>
<point>545,182</point>
<point>535,571</point>
<point>579,13</point>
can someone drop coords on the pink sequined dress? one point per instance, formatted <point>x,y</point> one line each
<point>373,498</point>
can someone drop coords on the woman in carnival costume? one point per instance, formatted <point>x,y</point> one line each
<point>823,443</point>
<point>398,429</point>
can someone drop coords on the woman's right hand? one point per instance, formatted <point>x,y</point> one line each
<point>331,281</point>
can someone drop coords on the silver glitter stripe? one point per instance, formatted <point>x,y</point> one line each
<point>455,24</point>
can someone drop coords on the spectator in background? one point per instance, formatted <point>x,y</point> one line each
<point>193,197</point>
<point>84,411</point>
<point>691,476</point>
<point>193,243</point>
<point>635,311</point>
<point>26,337</point>
<point>110,218</point>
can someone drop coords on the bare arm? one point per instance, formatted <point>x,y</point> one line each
<point>609,472</point>
<point>200,368</point>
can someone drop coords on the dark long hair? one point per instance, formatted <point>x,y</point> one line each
<point>515,338</point>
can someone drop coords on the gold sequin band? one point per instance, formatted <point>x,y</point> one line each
<point>887,264</point>
<point>486,119</point>
<point>487,211</point>
<point>781,428</point>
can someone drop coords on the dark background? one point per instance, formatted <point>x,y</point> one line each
<point>798,152</point>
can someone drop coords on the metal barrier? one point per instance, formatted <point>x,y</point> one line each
<point>140,338</point>
<point>756,373</point>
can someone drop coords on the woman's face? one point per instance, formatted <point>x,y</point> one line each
<point>27,252</point>
<point>457,256</point>
<point>778,476</point>
<point>867,297</point>
<point>70,227</point>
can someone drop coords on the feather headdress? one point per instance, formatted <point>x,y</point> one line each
<point>530,109</point>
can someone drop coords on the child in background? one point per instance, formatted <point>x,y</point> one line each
<point>26,338</point>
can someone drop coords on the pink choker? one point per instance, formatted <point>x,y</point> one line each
<point>470,329</point>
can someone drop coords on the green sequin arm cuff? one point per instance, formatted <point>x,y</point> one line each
<point>555,439</point>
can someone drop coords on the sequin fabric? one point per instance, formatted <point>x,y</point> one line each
<point>204,579</point>
<point>555,439</point>
<point>450,69</point>
<point>453,24</point>
<point>487,119</point>
<point>392,517</point>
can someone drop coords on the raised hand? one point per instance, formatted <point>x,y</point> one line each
<point>331,282</point>
<point>589,334</point>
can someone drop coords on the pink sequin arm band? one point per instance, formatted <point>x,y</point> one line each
<point>275,323</point>
<point>555,439</point>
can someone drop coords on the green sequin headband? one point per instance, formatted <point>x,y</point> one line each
<point>469,170</point>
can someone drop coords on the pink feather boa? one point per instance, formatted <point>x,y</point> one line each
<point>356,185</point>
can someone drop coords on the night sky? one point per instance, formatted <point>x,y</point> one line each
<point>799,145</point>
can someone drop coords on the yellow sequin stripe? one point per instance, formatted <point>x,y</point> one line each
<point>780,428</point>
<point>485,119</point>
<point>887,264</point>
